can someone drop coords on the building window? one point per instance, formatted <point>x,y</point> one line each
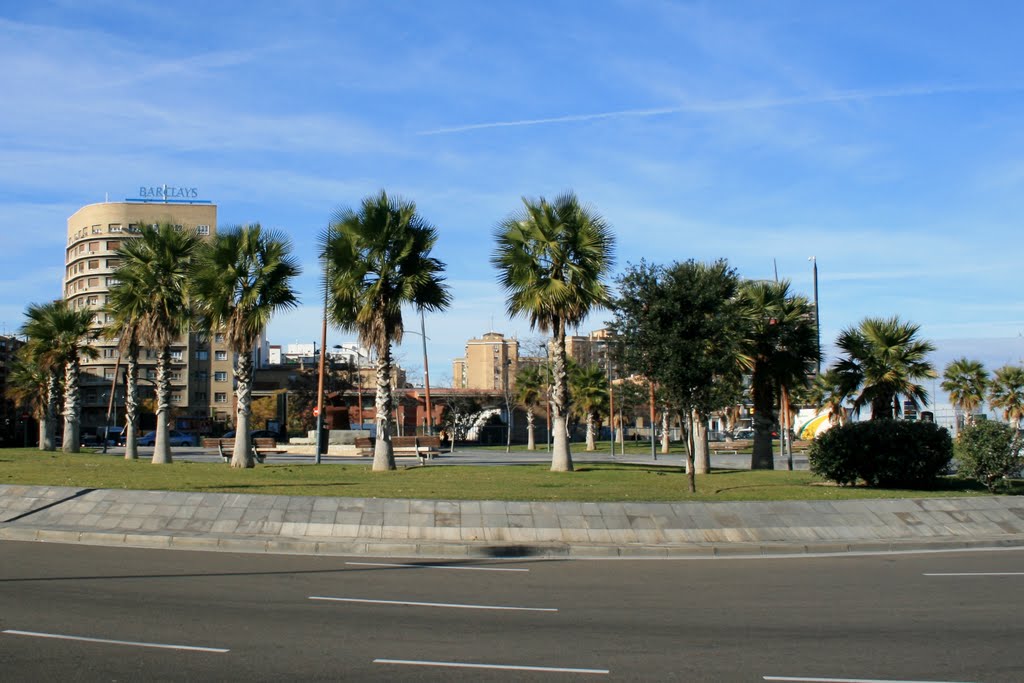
<point>203,229</point>
<point>218,338</point>
<point>115,227</point>
<point>110,353</point>
<point>220,377</point>
<point>94,282</point>
<point>220,397</point>
<point>133,228</point>
<point>97,229</point>
<point>202,355</point>
<point>113,282</point>
<point>174,375</point>
<point>108,373</point>
<point>221,355</point>
<point>94,264</point>
<point>113,262</point>
<point>175,398</point>
<point>176,356</point>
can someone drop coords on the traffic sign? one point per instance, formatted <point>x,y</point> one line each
<point>316,411</point>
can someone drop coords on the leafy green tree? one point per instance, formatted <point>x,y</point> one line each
<point>883,359</point>
<point>59,336</point>
<point>157,264</point>
<point>552,260</point>
<point>780,348</point>
<point>965,381</point>
<point>589,391</point>
<point>531,389</point>
<point>376,261</point>
<point>990,452</point>
<point>240,279</point>
<point>680,323</point>
<point>1006,392</point>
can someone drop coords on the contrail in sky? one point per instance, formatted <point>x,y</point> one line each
<point>734,105</point>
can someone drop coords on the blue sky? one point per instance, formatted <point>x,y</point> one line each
<point>882,138</point>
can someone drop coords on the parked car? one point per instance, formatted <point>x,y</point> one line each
<point>176,438</point>
<point>743,434</point>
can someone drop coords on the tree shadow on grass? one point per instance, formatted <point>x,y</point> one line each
<point>232,487</point>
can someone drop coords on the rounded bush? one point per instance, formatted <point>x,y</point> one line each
<point>990,452</point>
<point>882,453</point>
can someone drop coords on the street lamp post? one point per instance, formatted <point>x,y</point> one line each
<point>817,319</point>
<point>426,373</point>
<point>320,378</point>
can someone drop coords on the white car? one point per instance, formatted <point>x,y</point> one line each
<point>176,438</point>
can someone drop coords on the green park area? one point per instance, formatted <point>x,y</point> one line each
<point>528,482</point>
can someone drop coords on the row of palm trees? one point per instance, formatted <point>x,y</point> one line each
<point>169,281</point>
<point>969,384</point>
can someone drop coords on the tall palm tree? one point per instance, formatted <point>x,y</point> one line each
<point>241,278</point>
<point>531,388</point>
<point>28,386</point>
<point>128,302</point>
<point>1006,391</point>
<point>552,260</point>
<point>779,348</point>
<point>965,381</point>
<point>882,360</point>
<point>376,260</point>
<point>157,264</point>
<point>60,336</point>
<point>589,388</point>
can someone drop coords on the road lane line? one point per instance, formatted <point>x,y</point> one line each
<point>978,574</point>
<point>812,679</point>
<point>437,566</point>
<point>506,667</point>
<point>162,646</point>
<point>433,604</point>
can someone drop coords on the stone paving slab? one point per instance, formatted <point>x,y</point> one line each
<point>379,526</point>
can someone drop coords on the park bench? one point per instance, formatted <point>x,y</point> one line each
<point>261,447</point>
<point>423,447</point>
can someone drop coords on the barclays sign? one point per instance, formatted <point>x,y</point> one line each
<point>168,192</point>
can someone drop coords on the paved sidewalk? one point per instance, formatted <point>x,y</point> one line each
<point>429,528</point>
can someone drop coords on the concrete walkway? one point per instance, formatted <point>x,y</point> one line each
<point>429,528</point>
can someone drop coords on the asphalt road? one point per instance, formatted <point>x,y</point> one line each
<point>271,618</point>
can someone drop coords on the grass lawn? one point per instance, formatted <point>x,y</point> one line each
<point>590,482</point>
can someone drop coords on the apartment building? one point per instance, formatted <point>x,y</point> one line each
<point>490,363</point>
<point>202,375</point>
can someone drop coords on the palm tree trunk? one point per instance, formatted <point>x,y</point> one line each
<point>131,405</point>
<point>531,442</point>
<point>691,468</point>
<point>561,455</point>
<point>242,455</point>
<point>72,407</point>
<point>702,458</point>
<point>48,427</point>
<point>763,457</point>
<point>161,447</point>
<point>383,452</point>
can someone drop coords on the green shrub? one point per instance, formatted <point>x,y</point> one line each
<point>990,452</point>
<point>883,453</point>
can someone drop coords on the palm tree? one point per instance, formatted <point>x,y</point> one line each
<point>1006,391</point>
<point>377,260</point>
<point>826,392</point>
<point>531,388</point>
<point>882,360</point>
<point>156,265</point>
<point>965,381</point>
<point>589,387</point>
<point>552,259</point>
<point>28,386</point>
<point>60,336</point>
<point>780,349</point>
<point>241,278</point>
<point>127,304</point>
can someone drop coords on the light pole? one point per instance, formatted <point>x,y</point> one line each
<point>817,319</point>
<point>426,373</point>
<point>320,378</point>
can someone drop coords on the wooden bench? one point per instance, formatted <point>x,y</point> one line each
<point>423,447</point>
<point>261,447</point>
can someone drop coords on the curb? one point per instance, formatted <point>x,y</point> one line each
<point>335,547</point>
